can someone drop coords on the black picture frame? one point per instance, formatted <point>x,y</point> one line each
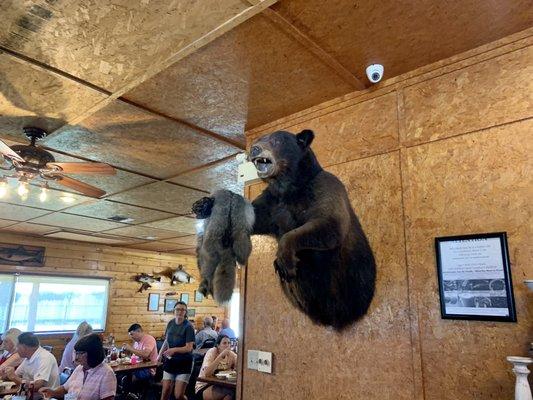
<point>191,312</point>
<point>169,305</point>
<point>198,297</point>
<point>185,298</point>
<point>474,277</point>
<point>153,301</point>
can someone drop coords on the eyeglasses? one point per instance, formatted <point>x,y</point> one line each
<point>80,353</point>
<point>181,309</point>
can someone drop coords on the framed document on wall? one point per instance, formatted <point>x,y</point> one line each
<point>475,278</point>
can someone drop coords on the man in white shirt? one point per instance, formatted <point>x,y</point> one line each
<point>39,366</point>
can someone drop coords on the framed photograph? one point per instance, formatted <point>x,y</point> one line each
<point>170,304</point>
<point>191,313</point>
<point>198,297</point>
<point>475,278</point>
<point>185,298</point>
<point>153,302</point>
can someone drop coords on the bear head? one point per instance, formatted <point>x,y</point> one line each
<point>280,153</point>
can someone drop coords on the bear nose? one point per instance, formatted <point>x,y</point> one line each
<point>255,151</point>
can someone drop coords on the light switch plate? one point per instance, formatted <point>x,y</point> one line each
<point>252,359</point>
<point>264,362</point>
<point>247,173</point>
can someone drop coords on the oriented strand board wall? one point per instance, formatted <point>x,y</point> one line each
<point>126,306</point>
<point>440,151</point>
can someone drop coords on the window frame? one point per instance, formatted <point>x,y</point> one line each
<point>15,276</point>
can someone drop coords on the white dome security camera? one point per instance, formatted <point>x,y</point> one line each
<point>374,72</point>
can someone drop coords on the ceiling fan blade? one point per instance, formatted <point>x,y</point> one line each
<point>9,152</point>
<point>81,168</point>
<point>79,186</point>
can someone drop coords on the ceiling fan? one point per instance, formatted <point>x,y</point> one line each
<point>30,162</point>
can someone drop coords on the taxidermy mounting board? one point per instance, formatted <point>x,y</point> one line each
<point>324,261</point>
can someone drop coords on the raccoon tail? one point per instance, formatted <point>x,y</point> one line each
<point>224,280</point>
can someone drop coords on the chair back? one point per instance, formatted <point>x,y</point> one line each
<point>48,348</point>
<point>208,343</point>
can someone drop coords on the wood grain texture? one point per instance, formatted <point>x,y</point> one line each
<point>483,95</point>
<point>403,38</point>
<point>472,184</point>
<point>253,74</point>
<point>126,305</point>
<point>139,141</point>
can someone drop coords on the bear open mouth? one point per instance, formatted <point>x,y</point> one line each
<point>263,165</point>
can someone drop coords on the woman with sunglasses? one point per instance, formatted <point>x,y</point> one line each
<point>92,379</point>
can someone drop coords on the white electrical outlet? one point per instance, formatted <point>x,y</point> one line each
<point>264,362</point>
<point>252,359</point>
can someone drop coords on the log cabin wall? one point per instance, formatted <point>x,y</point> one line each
<point>126,306</point>
<point>443,150</point>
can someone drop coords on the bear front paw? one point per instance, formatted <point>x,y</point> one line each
<point>286,267</point>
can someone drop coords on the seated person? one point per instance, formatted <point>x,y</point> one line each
<point>219,358</point>
<point>206,333</point>
<point>226,330</point>
<point>39,365</point>
<point>144,346</point>
<point>92,379</point>
<point>67,360</point>
<point>9,357</point>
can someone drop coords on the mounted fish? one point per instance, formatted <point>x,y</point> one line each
<point>146,280</point>
<point>14,254</point>
<point>178,275</point>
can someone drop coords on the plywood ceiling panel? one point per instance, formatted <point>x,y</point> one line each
<point>162,196</point>
<point>19,213</point>
<point>156,246</point>
<point>29,228</point>
<point>76,222</point>
<point>177,224</point>
<point>108,43</point>
<point>184,241</point>
<point>142,232</point>
<point>222,175</point>
<point>252,75</point>
<point>6,222</point>
<point>105,209</point>
<point>31,96</point>
<point>403,36</point>
<point>87,238</point>
<point>137,140</point>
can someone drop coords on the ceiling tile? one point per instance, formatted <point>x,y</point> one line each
<point>108,43</point>
<point>253,74</point>
<point>53,200</point>
<point>403,38</point>
<point>124,135</point>
<point>76,222</point>
<point>88,238</point>
<point>191,251</point>
<point>19,213</point>
<point>6,222</point>
<point>161,196</point>
<point>222,175</point>
<point>29,228</point>
<point>105,209</point>
<point>185,241</point>
<point>30,96</point>
<point>141,232</point>
<point>184,225</point>
<point>155,246</point>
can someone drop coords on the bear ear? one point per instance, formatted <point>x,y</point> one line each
<point>305,138</point>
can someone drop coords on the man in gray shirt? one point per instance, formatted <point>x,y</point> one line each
<point>207,333</point>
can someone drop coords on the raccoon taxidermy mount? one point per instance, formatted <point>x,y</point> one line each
<point>223,238</point>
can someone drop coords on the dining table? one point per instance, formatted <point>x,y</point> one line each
<point>213,380</point>
<point>125,368</point>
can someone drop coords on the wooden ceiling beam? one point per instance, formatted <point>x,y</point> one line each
<point>313,47</point>
<point>182,53</point>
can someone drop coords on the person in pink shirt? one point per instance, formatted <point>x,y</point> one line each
<point>145,347</point>
<point>92,379</point>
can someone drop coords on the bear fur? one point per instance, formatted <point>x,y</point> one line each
<point>324,261</point>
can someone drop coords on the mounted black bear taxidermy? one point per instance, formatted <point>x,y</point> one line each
<point>324,260</point>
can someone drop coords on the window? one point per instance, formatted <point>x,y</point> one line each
<point>39,303</point>
<point>234,312</point>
